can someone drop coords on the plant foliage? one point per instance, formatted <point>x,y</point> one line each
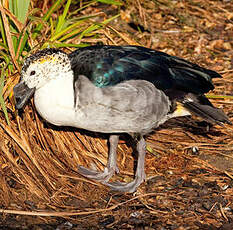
<point>24,28</point>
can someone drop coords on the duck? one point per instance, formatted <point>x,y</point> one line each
<point>116,90</point>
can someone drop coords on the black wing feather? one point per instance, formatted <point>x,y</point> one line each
<point>108,65</point>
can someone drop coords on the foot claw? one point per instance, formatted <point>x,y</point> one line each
<point>96,175</point>
<point>125,187</point>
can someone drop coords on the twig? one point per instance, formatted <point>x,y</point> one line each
<point>226,71</point>
<point>228,174</point>
<point>222,212</point>
<point>37,213</point>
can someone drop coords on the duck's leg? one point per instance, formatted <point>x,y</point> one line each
<point>140,175</point>
<point>111,165</point>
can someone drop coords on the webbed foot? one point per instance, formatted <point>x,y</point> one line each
<point>126,187</point>
<point>111,168</point>
<point>96,175</point>
<point>140,175</point>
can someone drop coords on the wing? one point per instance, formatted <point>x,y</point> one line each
<point>129,106</point>
<point>109,65</point>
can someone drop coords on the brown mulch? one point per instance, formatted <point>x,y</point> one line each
<point>189,164</point>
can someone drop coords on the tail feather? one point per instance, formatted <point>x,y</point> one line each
<point>207,112</point>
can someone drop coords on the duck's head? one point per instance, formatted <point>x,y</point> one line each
<point>37,70</point>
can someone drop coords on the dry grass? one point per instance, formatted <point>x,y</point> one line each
<point>38,162</point>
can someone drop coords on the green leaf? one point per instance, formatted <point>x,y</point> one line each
<point>20,9</point>
<point>2,31</point>
<point>97,26</point>
<point>70,26</point>
<point>112,2</point>
<point>64,31</point>
<point>85,5</point>
<point>51,26</point>
<point>219,96</point>
<point>61,19</point>
<point>4,46</point>
<point>2,102</point>
<point>71,34</point>
<point>46,17</point>
<point>5,57</point>
<point>59,45</point>
<point>23,44</point>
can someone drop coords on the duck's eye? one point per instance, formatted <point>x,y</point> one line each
<point>32,72</point>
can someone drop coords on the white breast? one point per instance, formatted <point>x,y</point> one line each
<point>55,101</point>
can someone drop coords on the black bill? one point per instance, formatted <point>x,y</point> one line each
<point>22,94</point>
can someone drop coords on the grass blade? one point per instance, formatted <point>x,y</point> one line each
<point>111,2</point>
<point>20,9</point>
<point>71,34</point>
<point>61,33</point>
<point>61,19</point>
<point>212,96</point>
<point>8,36</point>
<point>46,17</point>
<point>60,45</point>
<point>3,35</point>
<point>96,26</point>
<point>2,102</point>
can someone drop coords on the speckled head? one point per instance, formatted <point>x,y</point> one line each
<point>37,70</point>
<point>39,55</point>
<point>43,66</point>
